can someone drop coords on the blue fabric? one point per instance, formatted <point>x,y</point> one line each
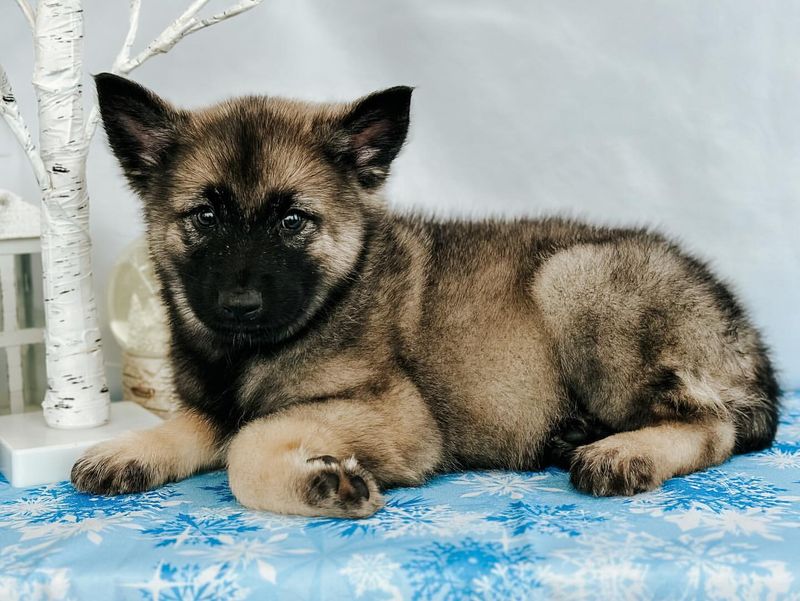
<point>728,533</point>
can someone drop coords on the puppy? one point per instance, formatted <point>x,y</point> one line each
<point>325,348</point>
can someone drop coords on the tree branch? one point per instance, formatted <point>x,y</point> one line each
<point>123,57</point>
<point>133,26</point>
<point>242,6</point>
<point>27,10</point>
<point>184,25</point>
<point>10,111</point>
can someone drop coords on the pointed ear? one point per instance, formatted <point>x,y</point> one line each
<point>141,127</point>
<point>371,134</point>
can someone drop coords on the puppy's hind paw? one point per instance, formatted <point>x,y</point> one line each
<point>605,470</point>
<point>341,488</point>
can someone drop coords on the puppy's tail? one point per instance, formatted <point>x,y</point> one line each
<point>756,419</point>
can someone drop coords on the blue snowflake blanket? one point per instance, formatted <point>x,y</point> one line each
<point>731,532</point>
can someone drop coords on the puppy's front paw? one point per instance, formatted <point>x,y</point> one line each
<point>606,469</point>
<point>341,488</point>
<point>112,468</point>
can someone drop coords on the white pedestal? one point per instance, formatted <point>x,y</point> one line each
<point>31,453</point>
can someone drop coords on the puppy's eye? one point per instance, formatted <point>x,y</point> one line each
<point>293,221</point>
<point>205,218</point>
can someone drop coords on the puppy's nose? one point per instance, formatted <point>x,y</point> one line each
<point>240,305</point>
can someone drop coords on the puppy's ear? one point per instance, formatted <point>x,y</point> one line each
<point>141,127</point>
<point>370,135</point>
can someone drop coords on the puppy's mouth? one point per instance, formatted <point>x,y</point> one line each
<point>236,329</point>
<point>269,331</point>
<point>254,330</point>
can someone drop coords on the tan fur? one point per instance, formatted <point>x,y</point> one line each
<point>182,446</point>
<point>270,461</point>
<point>643,459</point>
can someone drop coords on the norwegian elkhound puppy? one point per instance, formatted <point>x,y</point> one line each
<point>325,348</point>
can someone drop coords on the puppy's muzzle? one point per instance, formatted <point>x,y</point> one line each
<point>240,305</point>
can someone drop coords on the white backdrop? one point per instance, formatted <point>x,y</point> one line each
<point>680,114</point>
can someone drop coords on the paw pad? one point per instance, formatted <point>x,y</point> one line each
<point>342,485</point>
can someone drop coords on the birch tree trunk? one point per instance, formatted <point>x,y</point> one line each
<point>77,394</point>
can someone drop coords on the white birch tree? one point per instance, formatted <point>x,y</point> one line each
<point>77,393</point>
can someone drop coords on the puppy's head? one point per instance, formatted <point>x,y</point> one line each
<point>257,208</point>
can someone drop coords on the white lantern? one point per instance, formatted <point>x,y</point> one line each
<point>21,314</point>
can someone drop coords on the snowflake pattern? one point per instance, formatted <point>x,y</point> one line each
<point>58,512</point>
<point>59,502</point>
<point>221,490</point>
<point>782,456</point>
<point>730,532</point>
<point>631,564</point>
<point>22,559</point>
<point>372,573</point>
<point>769,523</point>
<point>452,570</point>
<point>595,561</point>
<point>513,485</point>
<point>191,583</point>
<point>507,582</point>
<point>558,521</point>
<point>198,528</point>
<point>712,490</point>
<point>409,517</point>
<point>40,585</point>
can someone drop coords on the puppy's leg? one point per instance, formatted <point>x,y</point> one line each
<point>640,460</point>
<point>331,458</point>
<point>144,460</point>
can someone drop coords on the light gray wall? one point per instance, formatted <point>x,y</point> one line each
<point>680,114</point>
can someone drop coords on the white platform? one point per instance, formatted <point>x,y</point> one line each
<point>31,453</point>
